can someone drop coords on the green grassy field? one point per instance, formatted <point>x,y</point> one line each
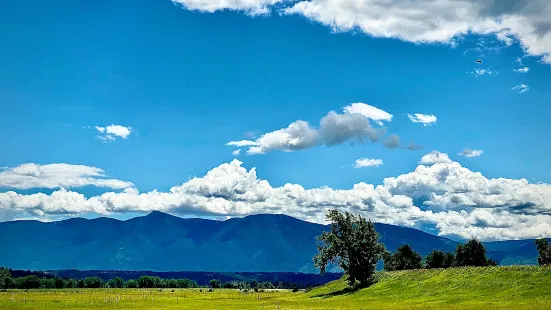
<point>457,288</point>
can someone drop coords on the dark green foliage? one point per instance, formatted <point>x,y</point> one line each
<point>59,283</point>
<point>215,283</point>
<point>47,283</point>
<point>149,282</point>
<point>353,244</point>
<point>403,258</point>
<point>131,284</point>
<point>116,282</point>
<point>186,283</point>
<point>254,284</point>
<point>71,283</point>
<point>473,253</point>
<point>439,259</point>
<point>80,283</point>
<point>544,252</point>
<point>5,277</point>
<point>171,283</point>
<point>491,262</point>
<point>28,282</point>
<point>93,282</point>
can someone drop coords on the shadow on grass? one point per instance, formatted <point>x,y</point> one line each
<point>346,291</point>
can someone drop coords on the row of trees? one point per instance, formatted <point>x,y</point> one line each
<point>473,253</point>
<point>35,282</point>
<point>353,244</point>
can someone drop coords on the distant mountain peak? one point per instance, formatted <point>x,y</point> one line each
<point>158,216</point>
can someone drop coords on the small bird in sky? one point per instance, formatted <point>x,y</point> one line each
<point>478,61</point>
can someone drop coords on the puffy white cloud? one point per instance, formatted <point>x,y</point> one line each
<point>112,132</point>
<point>425,119</point>
<point>367,162</point>
<point>334,129</point>
<point>522,70</point>
<point>421,21</point>
<point>442,21</point>
<point>435,157</point>
<point>479,72</point>
<point>446,196</point>
<point>298,135</point>
<point>522,88</point>
<point>369,112</point>
<point>31,175</point>
<point>470,153</point>
<point>339,128</point>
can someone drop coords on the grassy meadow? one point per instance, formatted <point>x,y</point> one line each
<point>456,288</point>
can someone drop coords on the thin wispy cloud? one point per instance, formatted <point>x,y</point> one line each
<point>425,119</point>
<point>522,70</point>
<point>480,72</point>
<point>470,153</point>
<point>30,175</point>
<point>521,88</point>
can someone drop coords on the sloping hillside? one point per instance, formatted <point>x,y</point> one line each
<point>526,287</point>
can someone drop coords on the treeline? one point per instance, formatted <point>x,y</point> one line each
<point>47,282</point>
<point>353,244</point>
<point>473,253</point>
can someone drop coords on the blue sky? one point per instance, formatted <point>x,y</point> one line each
<point>186,79</point>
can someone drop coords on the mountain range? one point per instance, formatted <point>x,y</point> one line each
<point>163,242</point>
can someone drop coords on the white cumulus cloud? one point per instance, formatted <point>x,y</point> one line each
<point>435,157</point>
<point>112,132</point>
<point>334,128</point>
<point>420,21</point>
<point>425,119</point>
<point>369,111</point>
<point>367,162</point>
<point>445,196</point>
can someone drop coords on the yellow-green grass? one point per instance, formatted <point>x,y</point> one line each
<point>456,288</point>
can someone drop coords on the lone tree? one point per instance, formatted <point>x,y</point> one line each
<point>404,258</point>
<point>353,244</point>
<point>439,259</point>
<point>544,250</point>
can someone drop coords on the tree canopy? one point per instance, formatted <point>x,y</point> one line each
<point>404,258</point>
<point>352,244</point>
<point>439,259</point>
<point>544,252</point>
